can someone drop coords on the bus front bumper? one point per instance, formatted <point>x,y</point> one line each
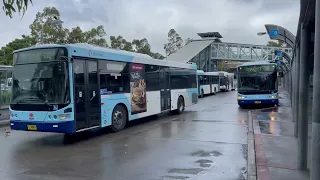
<point>57,127</point>
<point>262,101</point>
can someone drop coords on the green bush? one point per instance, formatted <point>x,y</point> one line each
<point>5,98</point>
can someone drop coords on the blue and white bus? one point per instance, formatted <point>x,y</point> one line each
<point>208,83</point>
<point>224,81</point>
<point>257,83</point>
<point>77,87</point>
<point>232,81</point>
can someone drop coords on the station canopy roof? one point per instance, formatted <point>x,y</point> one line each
<point>186,53</point>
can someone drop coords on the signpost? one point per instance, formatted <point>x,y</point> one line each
<point>279,54</point>
<point>273,33</point>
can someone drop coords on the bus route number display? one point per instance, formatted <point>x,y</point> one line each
<point>260,68</point>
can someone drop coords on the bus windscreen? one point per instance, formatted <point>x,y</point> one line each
<point>39,55</point>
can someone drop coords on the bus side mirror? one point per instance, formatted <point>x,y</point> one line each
<point>60,68</point>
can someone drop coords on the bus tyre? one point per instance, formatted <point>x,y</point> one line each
<point>119,118</point>
<point>202,93</point>
<point>180,106</point>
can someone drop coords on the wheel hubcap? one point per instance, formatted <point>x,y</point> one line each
<point>118,118</point>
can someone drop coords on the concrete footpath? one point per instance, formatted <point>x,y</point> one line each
<point>273,154</point>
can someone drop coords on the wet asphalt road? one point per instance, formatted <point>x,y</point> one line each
<point>207,142</point>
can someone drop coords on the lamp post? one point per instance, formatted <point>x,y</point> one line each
<point>54,22</point>
<point>261,33</point>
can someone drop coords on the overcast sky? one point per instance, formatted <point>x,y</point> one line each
<point>237,21</point>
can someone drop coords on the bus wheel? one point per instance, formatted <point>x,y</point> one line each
<point>202,93</point>
<point>119,118</point>
<point>181,105</point>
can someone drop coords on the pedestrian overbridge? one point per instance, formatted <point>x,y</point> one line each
<point>209,50</point>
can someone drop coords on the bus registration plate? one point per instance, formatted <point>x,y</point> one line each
<point>32,127</point>
<point>257,102</point>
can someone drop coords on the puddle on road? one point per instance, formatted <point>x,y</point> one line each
<point>186,171</point>
<point>204,163</point>
<point>174,177</point>
<point>202,153</point>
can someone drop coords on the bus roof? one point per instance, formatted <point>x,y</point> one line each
<point>201,72</point>
<point>5,68</point>
<point>96,52</point>
<point>212,73</point>
<point>223,72</point>
<point>257,63</point>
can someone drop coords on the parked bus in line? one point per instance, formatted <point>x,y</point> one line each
<point>257,83</point>
<point>232,81</point>
<point>224,81</point>
<point>78,87</point>
<point>208,83</point>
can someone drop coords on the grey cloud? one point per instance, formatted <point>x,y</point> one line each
<point>237,20</point>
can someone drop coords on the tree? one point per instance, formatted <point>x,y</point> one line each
<point>56,33</point>
<point>76,36</point>
<point>175,42</point>
<point>276,44</point>
<point>6,52</point>
<point>120,43</point>
<point>142,46</point>
<point>42,26</point>
<point>96,36</point>
<point>12,6</point>
<point>157,56</point>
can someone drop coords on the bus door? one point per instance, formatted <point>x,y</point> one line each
<point>87,94</point>
<point>165,93</point>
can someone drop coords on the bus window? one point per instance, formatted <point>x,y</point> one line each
<point>114,76</point>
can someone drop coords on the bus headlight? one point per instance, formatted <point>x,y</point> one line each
<point>64,116</point>
<point>240,97</point>
<point>274,97</point>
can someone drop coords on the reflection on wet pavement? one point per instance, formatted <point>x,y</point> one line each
<point>271,120</point>
<point>208,141</point>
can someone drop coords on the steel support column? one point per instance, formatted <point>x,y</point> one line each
<point>315,137</point>
<point>292,89</point>
<point>296,91</point>
<point>293,82</point>
<point>290,83</point>
<point>303,99</point>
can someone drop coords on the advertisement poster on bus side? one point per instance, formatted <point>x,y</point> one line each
<point>138,89</point>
